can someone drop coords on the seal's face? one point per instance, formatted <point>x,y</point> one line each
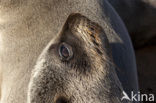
<point>75,67</point>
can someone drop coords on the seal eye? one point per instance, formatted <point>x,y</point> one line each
<point>65,51</point>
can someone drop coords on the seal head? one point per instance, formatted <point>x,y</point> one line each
<point>76,67</point>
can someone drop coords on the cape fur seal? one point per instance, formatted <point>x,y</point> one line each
<point>81,68</point>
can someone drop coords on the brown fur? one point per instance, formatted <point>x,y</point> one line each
<point>87,71</point>
<point>28,26</point>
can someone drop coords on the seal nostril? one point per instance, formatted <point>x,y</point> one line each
<point>61,100</point>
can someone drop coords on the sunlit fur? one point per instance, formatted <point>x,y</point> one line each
<point>31,70</point>
<point>88,77</point>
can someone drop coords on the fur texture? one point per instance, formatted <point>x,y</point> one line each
<point>27,27</point>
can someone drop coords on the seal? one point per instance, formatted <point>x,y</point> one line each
<point>80,49</point>
<point>79,76</point>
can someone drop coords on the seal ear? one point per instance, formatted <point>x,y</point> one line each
<point>77,22</point>
<point>73,20</point>
<point>92,33</point>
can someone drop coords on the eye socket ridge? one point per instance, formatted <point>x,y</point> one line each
<point>65,51</point>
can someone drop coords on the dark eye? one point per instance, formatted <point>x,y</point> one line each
<point>65,51</point>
